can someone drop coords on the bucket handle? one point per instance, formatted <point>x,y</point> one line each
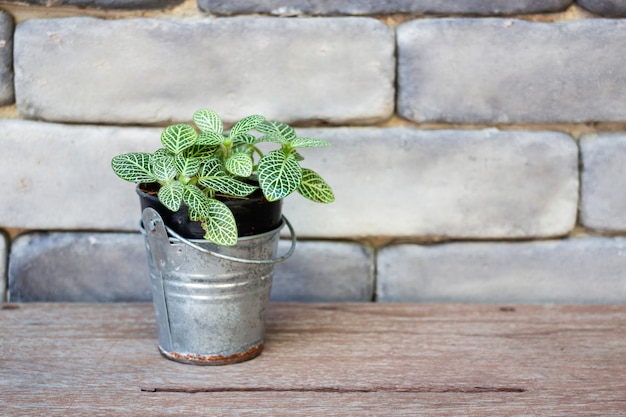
<point>156,218</point>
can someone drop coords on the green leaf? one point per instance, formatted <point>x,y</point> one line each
<point>212,167</point>
<point>199,151</point>
<point>244,125</point>
<point>163,166</point>
<point>315,188</point>
<point>273,137</point>
<point>277,131</point>
<point>161,152</point>
<point>240,164</point>
<point>297,155</point>
<point>227,185</point>
<point>208,121</point>
<point>212,176</point>
<point>279,174</point>
<point>220,225</point>
<point>245,138</point>
<point>133,167</point>
<point>177,138</point>
<point>210,138</point>
<point>187,167</point>
<point>308,143</point>
<point>171,195</point>
<point>196,201</point>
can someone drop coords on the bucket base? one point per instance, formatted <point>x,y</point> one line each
<point>194,359</point>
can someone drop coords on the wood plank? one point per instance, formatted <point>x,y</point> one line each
<point>323,359</point>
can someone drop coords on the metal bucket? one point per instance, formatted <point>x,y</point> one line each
<point>210,301</point>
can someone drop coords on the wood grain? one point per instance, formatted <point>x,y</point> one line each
<point>323,359</point>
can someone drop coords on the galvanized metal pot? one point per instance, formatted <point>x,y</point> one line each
<point>210,301</point>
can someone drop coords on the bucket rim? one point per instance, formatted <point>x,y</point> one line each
<point>175,236</point>
<point>152,217</point>
<point>275,230</point>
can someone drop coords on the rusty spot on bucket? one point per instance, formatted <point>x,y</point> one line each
<point>194,359</point>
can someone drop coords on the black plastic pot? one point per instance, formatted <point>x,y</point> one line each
<point>253,215</point>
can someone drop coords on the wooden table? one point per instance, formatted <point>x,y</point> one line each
<point>323,359</point>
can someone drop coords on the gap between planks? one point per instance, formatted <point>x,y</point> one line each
<point>440,390</point>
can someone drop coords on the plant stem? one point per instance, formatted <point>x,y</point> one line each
<point>257,150</point>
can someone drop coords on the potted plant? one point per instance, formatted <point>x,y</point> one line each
<point>211,211</point>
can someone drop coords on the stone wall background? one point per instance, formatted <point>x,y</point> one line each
<point>480,146</point>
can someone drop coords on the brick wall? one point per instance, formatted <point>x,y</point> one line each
<point>480,145</point>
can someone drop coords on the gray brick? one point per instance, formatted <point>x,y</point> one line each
<point>370,7</point>
<point>79,267</point>
<point>7,95</point>
<point>57,176</point>
<point>105,267</point>
<point>610,8</point>
<point>509,70</point>
<point>3,265</point>
<point>603,202</point>
<point>81,69</point>
<point>392,182</point>
<point>102,4</point>
<point>442,183</point>
<point>325,272</point>
<point>583,270</point>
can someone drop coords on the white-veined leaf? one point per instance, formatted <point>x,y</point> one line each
<point>199,151</point>
<point>275,128</point>
<point>308,143</point>
<point>213,176</point>
<point>239,164</point>
<point>188,167</point>
<point>163,166</point>
<point>245,138</point>
<point>227,185</point>
<point>171,195</point>
<point>196,201</point>
<point>315,188</point>
<point>133,167</point>
<point>244,125</point>
<point>161,152</point>
<point>220,225</point>
<point>212,167</point>
<point>210,138</point>
<point>208,121</point>
<point>279,174</point>
<point>246,148</point>
<point>272,137</point>
<point>177,138</point>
